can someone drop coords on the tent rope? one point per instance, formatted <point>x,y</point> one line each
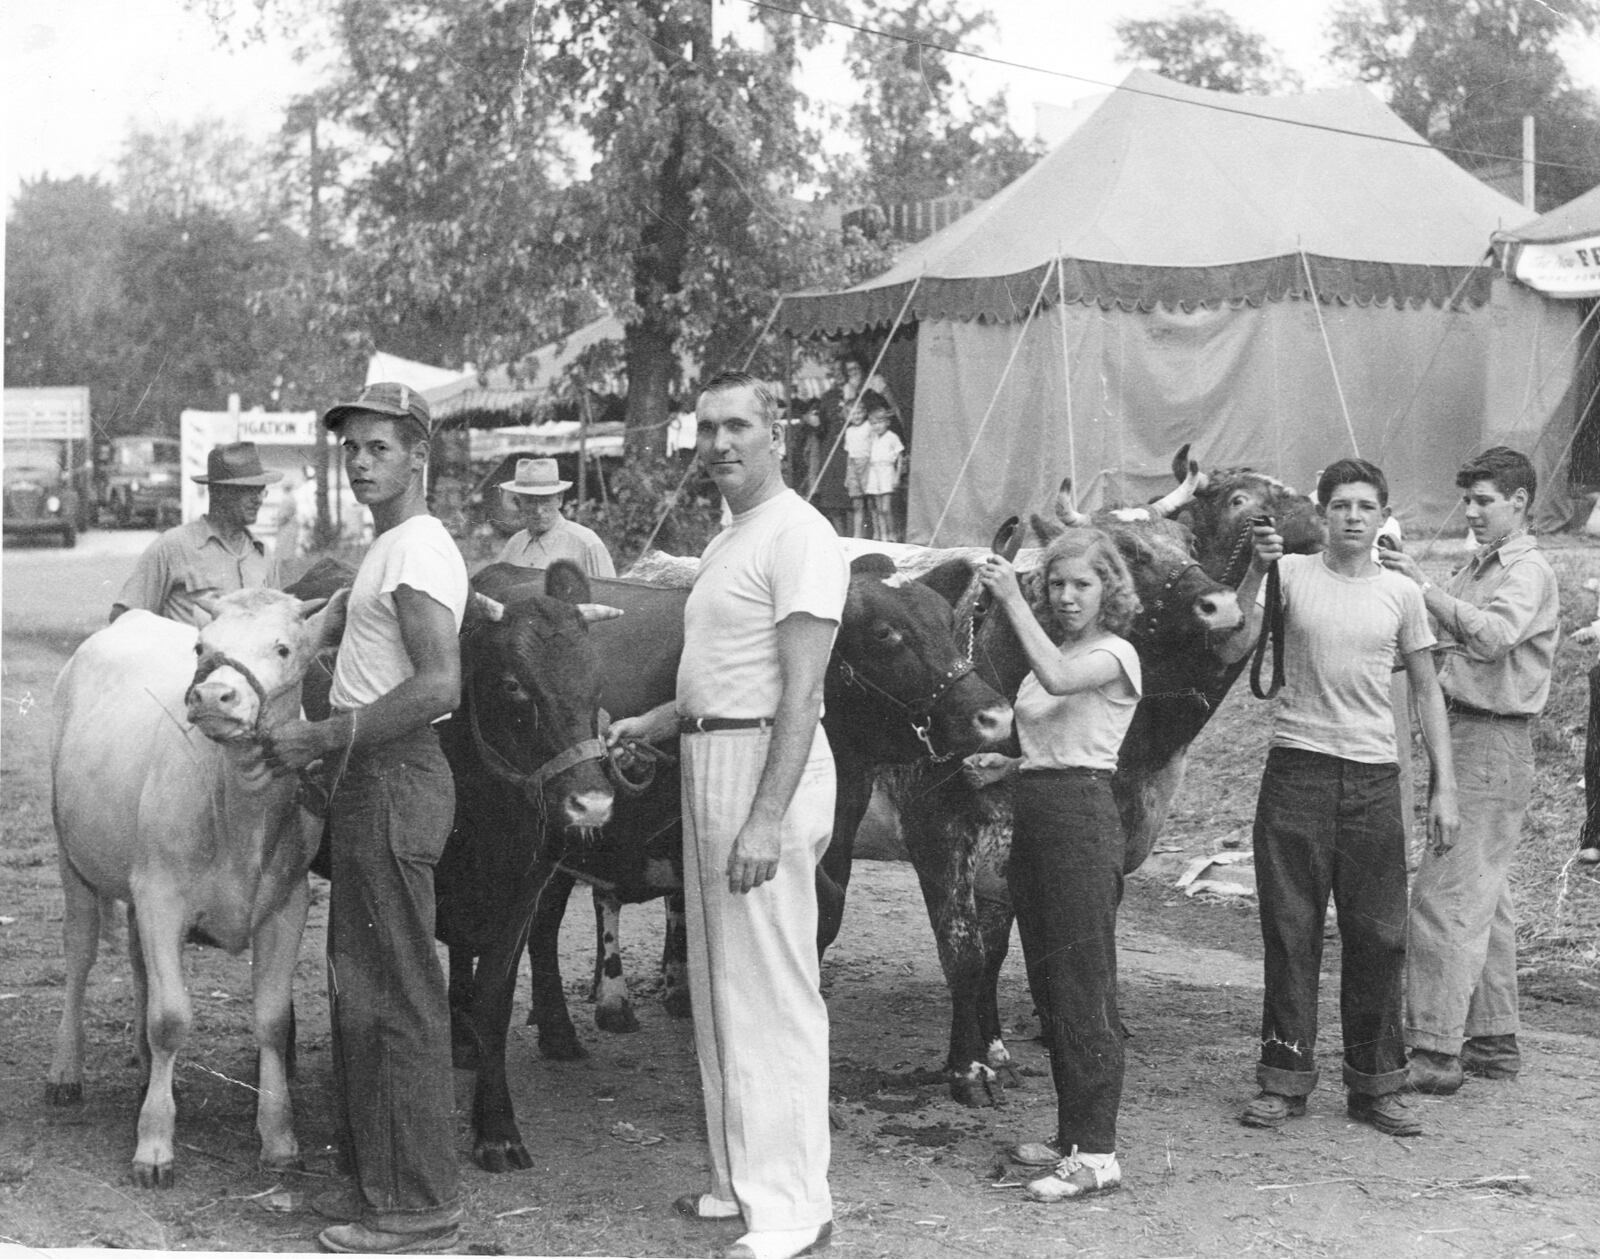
<point>1327,346</point>
<point>994,398</point>
<point>1066,370</point>
<point>1416,389</point>
<point>855,403</point>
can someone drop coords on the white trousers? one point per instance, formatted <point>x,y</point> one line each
<point>760,1024</point>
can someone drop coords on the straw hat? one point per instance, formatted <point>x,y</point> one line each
<point>236,464</point>
<point>537,476</point>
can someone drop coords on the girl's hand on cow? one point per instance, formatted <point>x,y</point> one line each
<point>983,768</point>
<point>997,576</point>
<point>754,857</point>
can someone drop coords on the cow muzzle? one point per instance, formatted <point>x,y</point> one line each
<point>225,700</point>
<point>1219,610</point>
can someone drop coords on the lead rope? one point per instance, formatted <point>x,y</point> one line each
<point>1271,627</point>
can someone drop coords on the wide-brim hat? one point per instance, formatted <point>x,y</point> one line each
<point>388,398</point>
<point>537,476</point>
<point>236,464</point>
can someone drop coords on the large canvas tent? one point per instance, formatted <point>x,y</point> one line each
<point>1280,281</point>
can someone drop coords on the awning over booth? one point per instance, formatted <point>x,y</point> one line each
<point>1558,253</point>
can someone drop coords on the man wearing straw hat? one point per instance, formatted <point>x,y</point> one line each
<point>216,554</point>
<point>550,536</point>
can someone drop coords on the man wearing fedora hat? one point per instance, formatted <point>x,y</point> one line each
<point>214,555</point>
<point>550,536</point>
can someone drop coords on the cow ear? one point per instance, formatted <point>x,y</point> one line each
<point>1046,528</point>
<point>326,616</point>
<point>872,564</point>
<point>566,581</point>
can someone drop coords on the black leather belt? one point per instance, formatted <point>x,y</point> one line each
<point>1467,710</point>
<point>708,725</point>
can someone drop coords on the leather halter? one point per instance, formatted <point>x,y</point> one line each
<point>920,713</point>
<point>211,663</point>
<point>1155,610</point>
<point>532,781</point>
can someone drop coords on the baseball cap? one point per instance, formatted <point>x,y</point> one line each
<point>385,397</point>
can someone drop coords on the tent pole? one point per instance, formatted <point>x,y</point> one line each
<point>762,335</point>
<point>993,399</point>
<point>855,403</point>
<point>1327,347</point>
<point>1066,370</point>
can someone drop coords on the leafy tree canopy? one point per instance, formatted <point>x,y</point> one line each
<point>1204,47</point>
<point>1464,72</point>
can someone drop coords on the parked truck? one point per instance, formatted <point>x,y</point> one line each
<point>48,471</point>
<point>140,481</point>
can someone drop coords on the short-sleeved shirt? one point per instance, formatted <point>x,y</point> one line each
<point>189,559</point>
<point>858,440</point>
<point>418,553</point>
<point>1082,729</point>
<point>565,540</point>
<point>1499,642</point>
<point>1342,636</point>
<point>775,560</point>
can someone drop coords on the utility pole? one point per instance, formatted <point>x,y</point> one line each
<point>1528,163</point>
<point>303,116</point>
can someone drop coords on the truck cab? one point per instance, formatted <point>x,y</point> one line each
<point>142,481</point>
<point>39,497</point>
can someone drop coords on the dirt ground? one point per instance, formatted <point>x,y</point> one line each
<point>1501,1168</point>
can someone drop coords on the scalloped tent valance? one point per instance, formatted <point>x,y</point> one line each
<point>1173,197</point>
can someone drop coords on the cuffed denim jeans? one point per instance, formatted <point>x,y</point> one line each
<point>1066,885</point>
<point>1461,962</point>
<point>1325,825</point>
<point>1589,834</point>
<point>391,814</point>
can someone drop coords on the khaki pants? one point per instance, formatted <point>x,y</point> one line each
<point>760,1025</point>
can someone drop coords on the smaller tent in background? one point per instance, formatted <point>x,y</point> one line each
<point>1280,281</point>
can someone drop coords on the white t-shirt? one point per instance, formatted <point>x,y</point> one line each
<point>774,560</point>
<point>858,440</point>
<point>1083,729</point>
<point>1342,638</point>
<point>417,552</point>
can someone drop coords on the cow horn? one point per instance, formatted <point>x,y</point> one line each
<point>1175,501</point>
<point>592,612</point>
<point>489,609</point>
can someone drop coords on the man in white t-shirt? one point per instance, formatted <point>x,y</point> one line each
<point>758,793</point>
<point>392,806</point>
<point>1328,817</point>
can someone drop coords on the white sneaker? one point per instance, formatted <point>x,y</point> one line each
<point>1077,1176</point>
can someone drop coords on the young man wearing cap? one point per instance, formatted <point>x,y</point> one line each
<point>550,536</point>
<point>1498,618</point>
<point>216,554</point>
<point>758,792</point>
<point>393,802</point>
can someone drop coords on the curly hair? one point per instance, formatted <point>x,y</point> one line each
<point>1119,601</point>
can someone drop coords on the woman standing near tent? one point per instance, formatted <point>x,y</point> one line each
<point>1072,712</point>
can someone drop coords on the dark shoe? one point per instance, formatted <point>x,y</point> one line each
<point>705,1208</point>
<point>1435,1073</point>
<point>1492,1057</point>
<point>784,1245</point>
<point>1035,1153</point>
<point>1387,1113</point>
<point>1271,1110</point>
<point>340,1204</point>
<point>358,1239</point>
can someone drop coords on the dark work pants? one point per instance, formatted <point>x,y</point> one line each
<point>1066,884</point>
<point>1589,836</point>
<point>1327,825</point>
<point>391,814</point>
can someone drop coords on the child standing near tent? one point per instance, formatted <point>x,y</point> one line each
<point>858,458</point>
<point>883,474</point>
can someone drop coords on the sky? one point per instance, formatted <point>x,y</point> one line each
<point>78,73</point>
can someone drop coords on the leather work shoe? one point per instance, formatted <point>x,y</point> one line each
<point>1035,1153</point>
<point>1387,1113</point>
<point>358,1239</point>
<point>779,1244</point>
<point>1435,1073</point>
<point>341,1205</point>
<point>1075,1177</point>
<point>705,1208</point>
<point>1271,1110</point>
<point>1492,1057</point>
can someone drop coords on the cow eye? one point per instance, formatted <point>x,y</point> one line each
<point>1239,500</point>
<point>886,634</point>
<point>199,649</point>
<point>283,652</point>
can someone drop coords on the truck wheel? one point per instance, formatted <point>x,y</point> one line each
<point>124,513</point>
<point>69,537</point>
